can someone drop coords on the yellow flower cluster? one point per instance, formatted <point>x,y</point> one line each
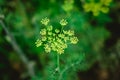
<point>45,21</point>
<point>55,39</point>
<point>97,7</point>
<point>63,22</point>
<point>68,5</point>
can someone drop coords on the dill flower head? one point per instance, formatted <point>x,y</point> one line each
<point>55,39</point>
<point>68,5</point>
<point>38,43</point>
<point>97,7</point>
<point>43,32</point>
<point>45,21</point>
<point>63,22</point>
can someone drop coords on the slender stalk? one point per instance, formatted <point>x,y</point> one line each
<point>19,52</point>
<point>58,62</point>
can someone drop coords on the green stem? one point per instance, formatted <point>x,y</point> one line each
<point>61,30</point>
<point>58,62</point>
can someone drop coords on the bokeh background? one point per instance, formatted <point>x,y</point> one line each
<point>95,57</point>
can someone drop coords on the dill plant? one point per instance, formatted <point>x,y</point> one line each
<point>57,40</point>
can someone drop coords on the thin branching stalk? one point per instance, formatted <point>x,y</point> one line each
<point>19,52</point>
<point>58,63</point>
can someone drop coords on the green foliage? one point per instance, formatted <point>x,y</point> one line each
<point>28,23</point>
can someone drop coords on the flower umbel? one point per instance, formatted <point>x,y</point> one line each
<point>63,22</point>
<point>45,21</point>
<point>55,39</point>
<point>97,7</point>
<point>43,32</point>
<point>38,43</point>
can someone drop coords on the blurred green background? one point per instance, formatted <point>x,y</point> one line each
<point>95,57</point>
